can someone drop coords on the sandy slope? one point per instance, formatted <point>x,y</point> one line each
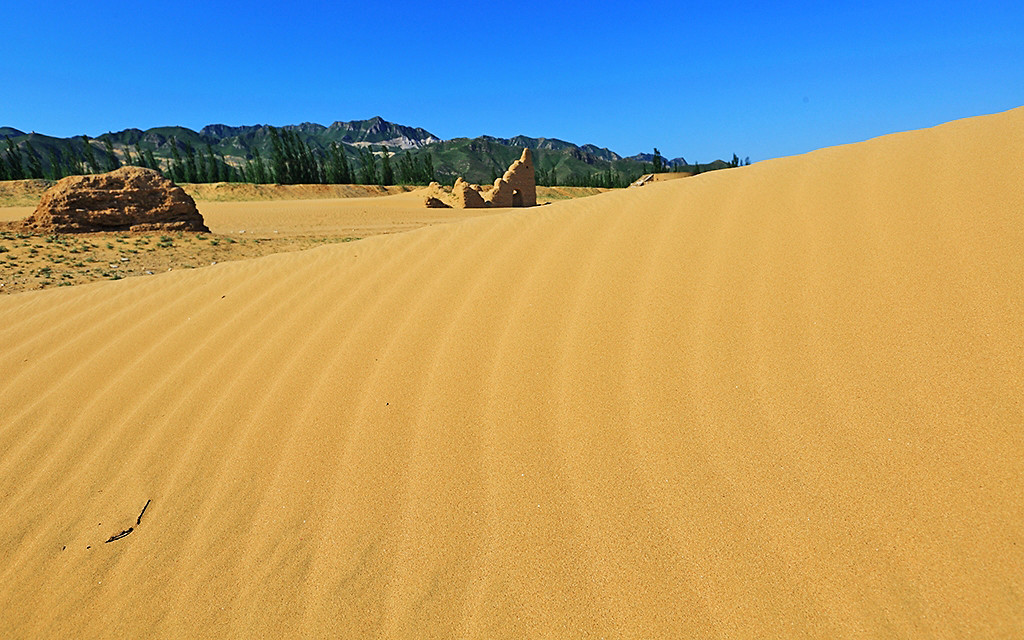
<point>776,401</point>
<point>344,216</point>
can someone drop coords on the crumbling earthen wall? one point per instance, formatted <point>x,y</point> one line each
<point>522,178</point>
<point>517,188</point>
<point>126,199</point>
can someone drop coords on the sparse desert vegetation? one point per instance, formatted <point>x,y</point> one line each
<point>38,262</point>
<point>248,221</point>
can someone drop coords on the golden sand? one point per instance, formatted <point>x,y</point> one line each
<point>776,401</point>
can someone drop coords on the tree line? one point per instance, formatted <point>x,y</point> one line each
<point>79,157</point>
<point>610,179</point>
<point>291,161</point>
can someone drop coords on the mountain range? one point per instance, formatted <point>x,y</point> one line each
<point>479,159</point>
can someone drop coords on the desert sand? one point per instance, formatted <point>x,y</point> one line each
<point>777,401</point>
<point>241,229</point>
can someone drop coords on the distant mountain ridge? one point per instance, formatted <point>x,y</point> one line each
<point>478,159</point>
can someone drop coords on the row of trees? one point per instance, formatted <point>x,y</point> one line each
<point>292,161</point>
<point>197,165</point>
<point>79,157</point>
<point>610,179</point>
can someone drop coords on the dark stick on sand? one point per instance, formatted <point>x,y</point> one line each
<point>138,521</point>
<point>121,535</point>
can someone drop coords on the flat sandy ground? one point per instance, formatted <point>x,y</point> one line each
<point>240,228</point>
<point>776,401</point>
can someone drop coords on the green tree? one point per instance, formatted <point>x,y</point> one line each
<point>256,169</point>
<point>367,166</point>
<point>337,165</point>
<point>212,169</point>
<point>140,157</point>
<point>35,167</point>
<point>192,162</point>
<point>15,170</point>
<point>55,170</point>
<point>387,175</point>
<point>427,173</point>
<point>112,161</point>
<point>659,162</point>
<point>90,156</point>
<point>278,161</point>
<point>177,168</point>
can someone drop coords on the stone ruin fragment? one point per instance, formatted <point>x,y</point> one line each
<point>126,199</point>
<point>517,188</point>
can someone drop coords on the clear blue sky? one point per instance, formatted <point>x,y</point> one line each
<point>700,79</point>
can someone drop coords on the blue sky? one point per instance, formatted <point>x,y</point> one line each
<point>699,80</point>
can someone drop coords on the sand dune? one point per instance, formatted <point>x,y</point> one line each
<point>776,401</point>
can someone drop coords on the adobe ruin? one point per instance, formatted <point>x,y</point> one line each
<point>517,188</point>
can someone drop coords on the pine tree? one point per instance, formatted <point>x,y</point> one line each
<point>227,172</point>
<point>337,169</point>
<point>406,169</point>
<point>90,156</point>
<point>193,163</point>
<point>427,174</point>
<point>659,162</point>
<point>177,169</point>
<point>292,173</point>
<point>35,168</point>
<point>387,175</point>
<point>150,160</point>
<point>212,173</point>
<point>112,160</point>
<point>368,166</point>
<point>291,159</point>
<point>76,162</point>
<point>15,170</point>
<point>202,166</point>
<point>277,158</point>
<point>260,174</point>
<point>54,171</point>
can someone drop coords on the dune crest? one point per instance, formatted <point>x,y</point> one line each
<point>775,401</point>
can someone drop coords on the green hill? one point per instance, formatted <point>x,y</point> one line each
<point>231,153</point>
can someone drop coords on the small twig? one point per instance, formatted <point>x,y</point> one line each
<point>138,521</point>
<point>122,534</point>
